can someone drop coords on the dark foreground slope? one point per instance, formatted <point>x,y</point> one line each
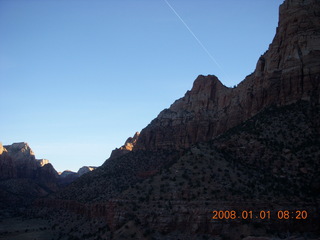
<point>269,163</point>
<point>117,174</point>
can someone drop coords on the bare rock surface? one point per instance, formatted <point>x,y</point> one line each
<point>127,147</point>
<point>85,169</point>
<point>289,71</point>
<point>23,177</point>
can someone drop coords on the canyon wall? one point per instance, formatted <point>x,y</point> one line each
<point>287,72</point>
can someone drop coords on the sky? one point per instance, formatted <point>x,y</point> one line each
<point>78,77</point>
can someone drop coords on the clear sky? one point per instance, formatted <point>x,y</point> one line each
<point>78,77</point>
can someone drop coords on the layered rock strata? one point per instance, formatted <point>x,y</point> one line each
<point>18,161</point>
<point>289,71</point>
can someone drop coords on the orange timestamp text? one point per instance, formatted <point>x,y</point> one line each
<point>259,215</point>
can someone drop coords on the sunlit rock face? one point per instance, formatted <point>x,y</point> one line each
<point>1,148</point>
<point>287,72</point>
<point>23,177</point>
<point>127,147</point>
<point>20,160</point>
<point>84,170</point>
<point>24,160</point>
<point>42,162</point>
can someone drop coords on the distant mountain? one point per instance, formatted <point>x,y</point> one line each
<point>254,148</point>
<point>67,176</point>
<point>85,169</point>
<point>24,178</point>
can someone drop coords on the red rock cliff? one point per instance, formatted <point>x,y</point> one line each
<point>289,71</point>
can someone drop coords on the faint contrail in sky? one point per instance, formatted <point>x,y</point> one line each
<point>200,43</point>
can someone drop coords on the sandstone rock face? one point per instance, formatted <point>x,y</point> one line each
<point>42,162</point>
<point>289,71</point>
<point>84,170</point>
<point>20,151</point>
<point>23,158</point>
<point>7,168</point>
<point>23,177</point>
<point>18,161</point>
<point>127,147</point>
<point>1,148</point>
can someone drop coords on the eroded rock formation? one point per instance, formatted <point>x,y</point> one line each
<point>19,161</point>
<point>289,71</point>
<point>127,147</point>
<point>23,177</point>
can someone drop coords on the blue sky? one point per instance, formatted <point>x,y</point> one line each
<point>79,77</point>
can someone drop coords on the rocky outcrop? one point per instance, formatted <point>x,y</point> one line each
<point>24,163</point>
<point>7,168</point>
<point>85,170</point>
<point>19,161</point>
<point>127,147</point>
<point>23,158</point>
<point>67,176</point>
<point>23,177</point>
<point>67,173</point>
<point>42,162</point>
<point>289,71</point>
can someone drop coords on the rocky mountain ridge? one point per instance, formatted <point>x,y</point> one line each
<point>19,167</point>
<point>67,176</point>
<point>286,73</point>
<point>19,161</point>
<point>23,177</point>
<point>24,159</point>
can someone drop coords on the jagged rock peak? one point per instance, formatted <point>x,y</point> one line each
<point>287,72</point>
<point>204,82</point>
<point>85,169</point>
<point>21,147</point>
<point>205,90</point>
<point>19,162</point>
<point>131,142</point>
<point>42,162</point>
<point>127,147</point>
<point>66,173</point>
<point>21,152</point>
<point>296,42</point>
